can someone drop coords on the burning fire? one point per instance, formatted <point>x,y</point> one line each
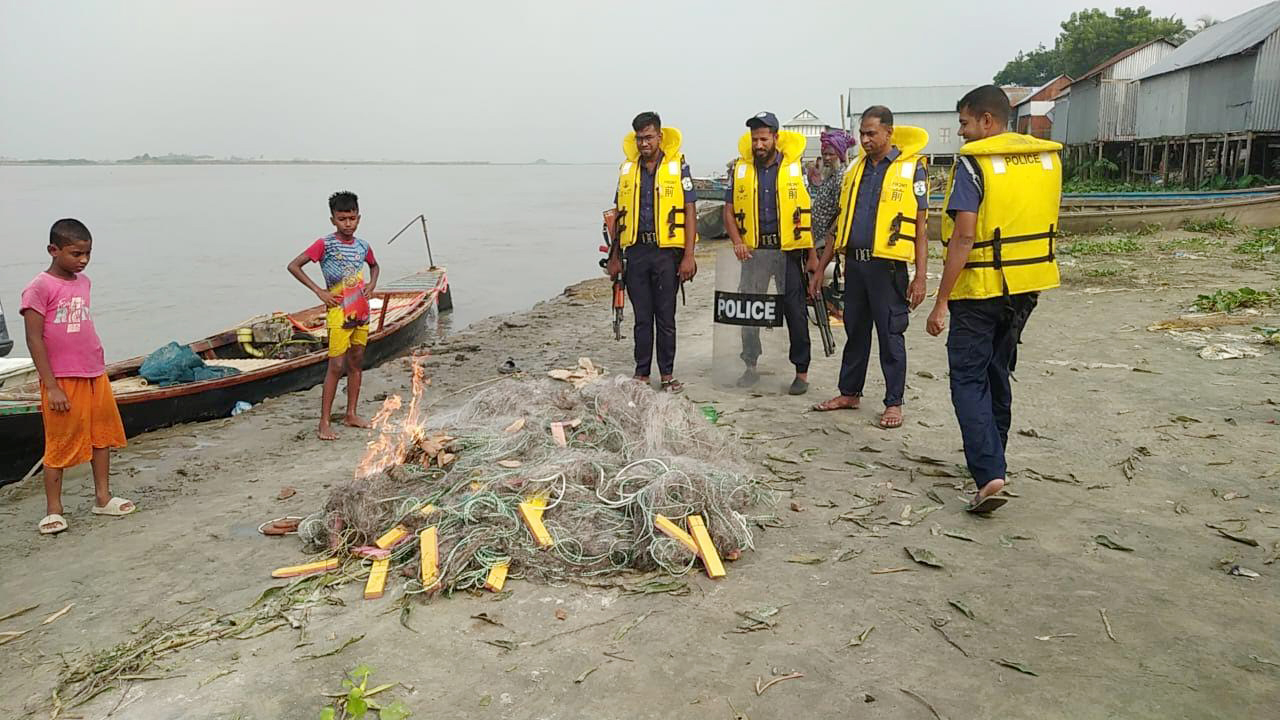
<point>396,440</point>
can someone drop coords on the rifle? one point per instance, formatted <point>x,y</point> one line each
<point>610,247</point>
<point>823,322</point>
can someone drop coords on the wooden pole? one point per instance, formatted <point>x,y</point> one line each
<point>1164,164</point>
<point>1182,176</point>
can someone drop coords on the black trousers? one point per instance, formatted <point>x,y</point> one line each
<point>875,294</point>
<point>981,351</point>
<point>755,279</point>
<point>652,284</point>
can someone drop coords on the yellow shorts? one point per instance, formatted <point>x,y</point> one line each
<point>341,339</point>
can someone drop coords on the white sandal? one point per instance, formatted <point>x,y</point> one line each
<point>113,507</point>
<point>56,522</point>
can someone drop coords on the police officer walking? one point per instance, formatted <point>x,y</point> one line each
<point>655,228</point>
<point>767,207</point>
<point>884,208</point>
<point>1002,217</point>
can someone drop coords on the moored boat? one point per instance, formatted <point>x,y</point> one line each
<point>398,323</point>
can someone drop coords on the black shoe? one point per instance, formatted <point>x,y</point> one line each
<point>798,387</point>
<point>509,367</point>
<point>749,378</point>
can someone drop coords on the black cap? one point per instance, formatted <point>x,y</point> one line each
<point>763,119</point>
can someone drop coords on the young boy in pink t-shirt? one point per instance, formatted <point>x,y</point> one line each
<point>81,420</point>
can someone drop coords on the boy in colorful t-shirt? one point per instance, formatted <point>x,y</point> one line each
<point>81,420</point>
<point>342,257</point>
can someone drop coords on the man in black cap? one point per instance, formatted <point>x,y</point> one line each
<point>767,206</point>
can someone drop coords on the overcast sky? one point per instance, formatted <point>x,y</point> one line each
<point>430,80</point>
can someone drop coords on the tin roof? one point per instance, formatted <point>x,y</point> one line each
<point>1230,37</point>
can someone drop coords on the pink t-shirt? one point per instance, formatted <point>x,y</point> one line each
<point>73,344</point>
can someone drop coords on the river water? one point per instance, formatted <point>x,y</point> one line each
<point>182,252</point>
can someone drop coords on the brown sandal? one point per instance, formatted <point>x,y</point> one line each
<point>830,406</point>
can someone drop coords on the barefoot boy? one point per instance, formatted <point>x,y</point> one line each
<point>342,257</point>
<point>81,420</point>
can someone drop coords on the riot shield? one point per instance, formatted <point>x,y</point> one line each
<point>749,342</point>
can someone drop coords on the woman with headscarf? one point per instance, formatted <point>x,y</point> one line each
<point>825,188</point>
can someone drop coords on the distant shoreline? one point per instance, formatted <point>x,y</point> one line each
<point>131,163</point>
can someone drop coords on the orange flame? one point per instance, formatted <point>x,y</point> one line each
<point>395,439</point>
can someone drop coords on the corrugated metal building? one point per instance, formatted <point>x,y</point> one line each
<point>811,126</point>
<point>1034,114</point>
<point>1103,103</point>
<point>932,108</point>
<point>1225,79</point>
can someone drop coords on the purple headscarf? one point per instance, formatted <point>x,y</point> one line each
<point>838,140</point>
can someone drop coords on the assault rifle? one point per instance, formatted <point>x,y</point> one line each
<point>610,247</point>
<point>824,322</point>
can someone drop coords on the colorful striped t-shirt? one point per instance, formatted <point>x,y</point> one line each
<point>342,263</point>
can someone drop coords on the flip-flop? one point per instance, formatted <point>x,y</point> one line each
<point>57,522</point>
<point>115,507</point>
<point>826,406</point>
<point>672,386</point>
<point>986,505</point>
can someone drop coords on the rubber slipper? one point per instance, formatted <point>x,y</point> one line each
<point>115,507</point>
<point>798,387</point>
<point>827,406</point>
<point>55,522</point>
<point>986,505</point>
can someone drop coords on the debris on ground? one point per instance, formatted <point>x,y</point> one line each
<point>542,479</point>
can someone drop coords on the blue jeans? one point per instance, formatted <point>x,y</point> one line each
<point>981,348</point>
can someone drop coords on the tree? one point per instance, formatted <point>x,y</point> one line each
<point>1089,37</point>
<point>1031,68</point>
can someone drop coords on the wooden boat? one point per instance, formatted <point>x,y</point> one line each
<point>398,323</point>
<point>1095,212</point>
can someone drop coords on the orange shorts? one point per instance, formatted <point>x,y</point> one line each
<point>92,422</point>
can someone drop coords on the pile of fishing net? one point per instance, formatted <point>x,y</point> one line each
<point>605,456</point>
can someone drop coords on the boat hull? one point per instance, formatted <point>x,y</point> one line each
<point>22,429</point>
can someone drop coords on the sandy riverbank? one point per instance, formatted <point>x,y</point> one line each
<point>1121,432</point>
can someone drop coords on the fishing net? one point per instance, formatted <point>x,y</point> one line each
<point>628,455</point>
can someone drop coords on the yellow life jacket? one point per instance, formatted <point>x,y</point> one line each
<point>895,229</point>
<point>795,226</point>
<point>668,192</point>
<point>1013,249</point>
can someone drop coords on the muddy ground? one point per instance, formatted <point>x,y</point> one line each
<point>1121,432</point>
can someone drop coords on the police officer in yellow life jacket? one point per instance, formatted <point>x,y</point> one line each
<point>884,206</point>
<point>656,228</point>
<point>767,206</point>
<point>1000,232</point>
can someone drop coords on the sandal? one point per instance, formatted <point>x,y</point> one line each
<point>672,386</point>
<point>834,404</point>
<point>890,422</point>
<point>115,507</point>
<point>52,524</point>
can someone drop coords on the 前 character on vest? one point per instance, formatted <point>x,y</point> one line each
<point>1000,235</point>
<point>767,206</point>
<point>656,227</point>
<point>884,207</point>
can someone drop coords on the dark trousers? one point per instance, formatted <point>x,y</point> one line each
<point>652,283</point>
<point>875,294</point>
<point>981,350</point>
<point>755,279</point>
